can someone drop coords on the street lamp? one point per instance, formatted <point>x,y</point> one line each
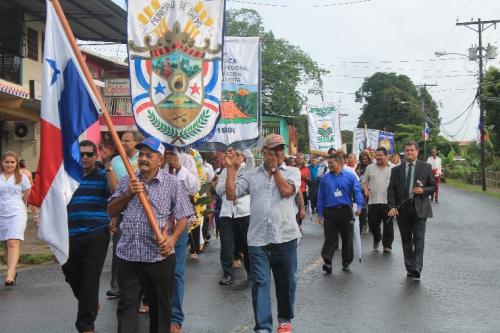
<point>472,56</point>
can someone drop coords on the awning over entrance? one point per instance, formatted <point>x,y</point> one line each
<point>99,20</point>
<point>15,103</point>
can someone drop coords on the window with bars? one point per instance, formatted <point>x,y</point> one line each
<point>32,44</point>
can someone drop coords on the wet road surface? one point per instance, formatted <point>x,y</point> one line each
<point>459,290</point>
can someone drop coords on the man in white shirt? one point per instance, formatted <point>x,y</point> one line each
<point>375,182</point>
<point>208,169</point>
<point>184,167</point>
<point>234,219</point>
<point>435,162</point>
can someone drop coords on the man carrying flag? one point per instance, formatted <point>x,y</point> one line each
<point>71,193</point>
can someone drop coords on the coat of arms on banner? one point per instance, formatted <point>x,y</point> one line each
<point>176,69</point>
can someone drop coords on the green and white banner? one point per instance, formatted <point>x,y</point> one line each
<point>239,124</point>
<point>324,128</point>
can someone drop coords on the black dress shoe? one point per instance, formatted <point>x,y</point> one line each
<point>345,268</point>
<point>11,283</point>
<point>415,275</point>
<point>327,268</point>
<point>226,281</point>
<point>112,293</point>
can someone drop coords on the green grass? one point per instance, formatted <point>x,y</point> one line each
<point>31,259</point>
<point>491,191</point>
<point>36,259</point>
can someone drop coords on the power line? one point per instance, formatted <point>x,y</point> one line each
<point>395,61</point>
<point>425,76</point>
<point>318,5</point>
<point>461,114</point>
<point>393,68</point>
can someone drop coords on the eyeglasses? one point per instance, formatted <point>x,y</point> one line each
<point>87,154</point>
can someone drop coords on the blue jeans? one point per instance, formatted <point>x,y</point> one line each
<point>281,259</point>
<point>178,290</point>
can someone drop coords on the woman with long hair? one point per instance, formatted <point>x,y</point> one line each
<point>14,191</point>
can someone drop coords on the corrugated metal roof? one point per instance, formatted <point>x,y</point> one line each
<point>99,20</point>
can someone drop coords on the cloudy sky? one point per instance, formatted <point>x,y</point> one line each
<point>355,40</point>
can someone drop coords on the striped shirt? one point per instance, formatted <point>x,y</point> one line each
<point>167,196</point>
<point>87,210</point>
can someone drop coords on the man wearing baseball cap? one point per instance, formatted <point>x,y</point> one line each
<point>141,261</point>
<point>273,232</point>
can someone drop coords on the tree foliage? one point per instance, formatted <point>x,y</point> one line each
<point>491,90</point>
<point>408,132</point>
<point>392,99</point>
<point>289,74</point>
<point>347,138</point>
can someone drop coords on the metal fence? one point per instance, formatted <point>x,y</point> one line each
<point>492,179</point>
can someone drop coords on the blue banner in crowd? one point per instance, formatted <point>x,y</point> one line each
<point>386,140</point>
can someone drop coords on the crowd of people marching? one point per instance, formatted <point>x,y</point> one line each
<point>257,212</point>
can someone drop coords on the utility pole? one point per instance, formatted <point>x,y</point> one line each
<point>481,26</point>
<point>422,101</point>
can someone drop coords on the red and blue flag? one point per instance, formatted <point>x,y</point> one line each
<point>69,107</point>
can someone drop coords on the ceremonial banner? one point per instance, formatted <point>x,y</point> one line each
<point>371,139</point>
<point>386,140</point>
<point>175,54</point>
<point>324,129</point>
<point>239,124</point>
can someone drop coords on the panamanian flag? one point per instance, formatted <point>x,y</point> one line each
<point>68,108</point>
<point>426,133</point>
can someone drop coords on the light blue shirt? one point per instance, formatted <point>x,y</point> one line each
<point>272,217</point>
<point>119,166</point>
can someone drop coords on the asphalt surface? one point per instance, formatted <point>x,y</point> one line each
<point>459,290</point>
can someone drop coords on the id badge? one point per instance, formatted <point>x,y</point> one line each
<point>338,193</point>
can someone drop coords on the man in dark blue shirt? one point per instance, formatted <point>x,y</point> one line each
<point>337,189</point>
<point>88,223</point>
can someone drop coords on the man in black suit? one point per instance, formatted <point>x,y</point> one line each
<point>410,186</point>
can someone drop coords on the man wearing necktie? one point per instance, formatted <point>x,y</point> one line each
<point>410,187</point>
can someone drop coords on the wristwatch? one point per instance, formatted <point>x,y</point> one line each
<point>109,169</point>
<point>273,170</point>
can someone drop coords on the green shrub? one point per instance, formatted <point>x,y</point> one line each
<point>35,259</point>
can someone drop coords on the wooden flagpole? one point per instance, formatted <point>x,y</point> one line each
<point>105,114</point>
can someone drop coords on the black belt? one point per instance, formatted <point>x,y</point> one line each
<point>338,207</point>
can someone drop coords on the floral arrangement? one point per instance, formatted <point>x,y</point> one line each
<point>203,198</point>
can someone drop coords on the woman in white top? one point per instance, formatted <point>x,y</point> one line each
<point>14,191</point>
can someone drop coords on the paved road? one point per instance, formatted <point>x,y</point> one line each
<point>459,291</point>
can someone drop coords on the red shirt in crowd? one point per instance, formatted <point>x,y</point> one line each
<point>305,176</point>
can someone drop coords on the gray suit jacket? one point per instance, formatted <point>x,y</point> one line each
<point>396,190</point>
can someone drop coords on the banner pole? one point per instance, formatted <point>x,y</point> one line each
<point>105,114</point>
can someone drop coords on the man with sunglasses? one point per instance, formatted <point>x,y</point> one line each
<point>273,232</point>
<point>88,222</point>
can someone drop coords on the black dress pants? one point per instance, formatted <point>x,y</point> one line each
<point>231,229</point>
<point>377,214</point>
<point>338,220</point>
<point>83,271</point>
<point>157,279</point>
<point>412,229</point>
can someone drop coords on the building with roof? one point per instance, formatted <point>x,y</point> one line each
<point>22,26</point>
